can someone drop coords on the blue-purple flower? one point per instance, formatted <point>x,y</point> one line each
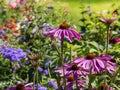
<point>47,64</point>
<point>46,72</point>
<point>52,84</point>
<point>12,54</point>
<point>63,32</point>
<point>40,87</point>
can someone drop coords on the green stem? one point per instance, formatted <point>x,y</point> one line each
<point>49,72</point>
<point>37,77</point>
<point>108,26</point>
<point>58,82</point>
<point>90,81</point>
<point>70,54</point>
<point>107,40</point>
<point>62,59</point>
<point>34,81</point>
<point>77,84</point>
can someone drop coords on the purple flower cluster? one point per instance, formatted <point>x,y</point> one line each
<point>12,53</point>
<point>43,71</point>
<point>41,87</point>
<point>52,84</point>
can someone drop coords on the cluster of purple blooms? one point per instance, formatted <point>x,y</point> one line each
<point>81,66</point>
<point>12,54</point>
<point>43,70</point>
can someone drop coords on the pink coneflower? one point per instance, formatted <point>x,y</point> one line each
<point>97,64</point>
<point>19,87</point>
<point>110,66</point>
<point>71,80</point>
<point>115,40</point>
<point>91,62</point>
<point>63,32</point>
<point>73,68</point>
<point>108,20</point>
<point>106,87</point>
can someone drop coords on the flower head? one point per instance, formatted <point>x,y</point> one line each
<point>52,84</point>
<point>106,87</point>
<point>12,53</point>
<point>115,40</point>
<point>108,20</point>
<point>109,65</point>
<point>63,32</point>
<point>40,87</point>
<point>72,68</point>
<point>97,64</point>
<point>47,64</point>
<point>71,80</point>
<point>91,62</point>
<point>19,87</point>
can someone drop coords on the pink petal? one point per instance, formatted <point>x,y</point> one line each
<point>13,5</point>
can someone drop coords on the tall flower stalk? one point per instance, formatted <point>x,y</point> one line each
<point>108,22</point>
<point>62,33</point>
<point>62,60</point>
<point>107,44</point>
<point>34,58</point>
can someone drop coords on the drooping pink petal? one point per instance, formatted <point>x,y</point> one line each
<point>98,65</point>
<point>69,36</point>
<point>75,34</point>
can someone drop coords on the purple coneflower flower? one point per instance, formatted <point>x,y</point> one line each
<point>95,64</point>
<point>106,87</point>
<point>109,65</point>
<point>71,80</point>
<point>108,20</point>
<point>63,32</point>
<point>19,87</point>
<point>72,68</point>
<point>115,40</point>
